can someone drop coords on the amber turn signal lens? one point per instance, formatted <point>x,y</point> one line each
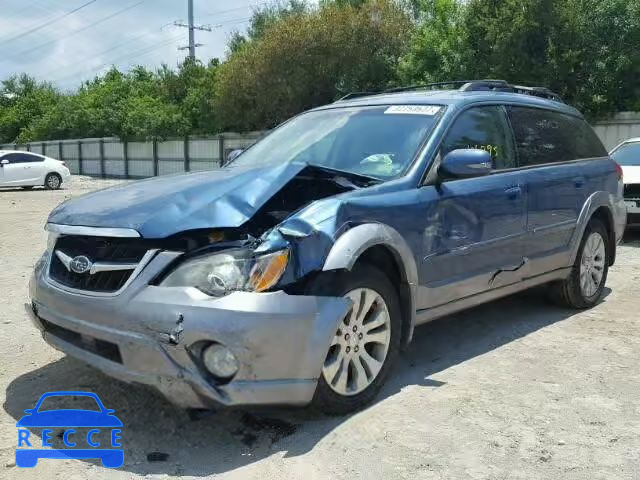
<point>268,270</point>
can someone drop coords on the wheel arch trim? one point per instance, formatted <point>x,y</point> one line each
<point>592,204</point>
<point>349,247</point>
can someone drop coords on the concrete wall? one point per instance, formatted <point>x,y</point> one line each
<point>110,157</point>
<point>620,127</point>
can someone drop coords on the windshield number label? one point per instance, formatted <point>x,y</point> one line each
<point>429,110</point>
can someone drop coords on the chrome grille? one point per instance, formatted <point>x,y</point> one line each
<point>127,251</point>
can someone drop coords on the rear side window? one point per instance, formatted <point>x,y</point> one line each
<point>30,158</point>
<point>484,128</point>
<point>544,136</point>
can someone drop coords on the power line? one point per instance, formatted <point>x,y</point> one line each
<point>235,21</point>
<point>49,22</point>
<point>139,53</point>
<point>219,12</point>
<point>108,50</point>
<point>102,20</point>
<point>32,6</point>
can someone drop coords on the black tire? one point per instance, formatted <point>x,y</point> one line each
<point>326,399</point>
<point>50,181</point>
<point>568,293</point>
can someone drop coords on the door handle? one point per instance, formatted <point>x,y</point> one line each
<point>514,192</point>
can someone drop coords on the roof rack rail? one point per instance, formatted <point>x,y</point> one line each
<point>351,95</point>
<point>487,85</point>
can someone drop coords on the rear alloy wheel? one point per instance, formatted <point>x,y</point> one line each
<point>585,285</point>
<point>366,341</point>
<point>592,264</point>
<point>360,346</point>
<point>52,181</point>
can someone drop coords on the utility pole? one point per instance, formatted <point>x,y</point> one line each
<point>192,28</point>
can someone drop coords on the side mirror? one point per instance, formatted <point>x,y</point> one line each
<point>466,163</point>
<point>4,162</point>
<point>233,154</point>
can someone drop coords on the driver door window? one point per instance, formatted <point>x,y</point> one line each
<point>14,158</point>
<point>484,128</point>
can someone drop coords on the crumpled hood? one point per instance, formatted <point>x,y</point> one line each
<point>162,206</point>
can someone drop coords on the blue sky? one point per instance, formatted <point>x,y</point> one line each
<point>124,32</point>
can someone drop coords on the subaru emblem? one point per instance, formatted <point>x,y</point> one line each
<point>80,264</point>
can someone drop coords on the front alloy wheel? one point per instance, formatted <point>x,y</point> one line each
<point>366,341</point>
<point>360,346</point>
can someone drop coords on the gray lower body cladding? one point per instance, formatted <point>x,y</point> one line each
<point>144,335</point>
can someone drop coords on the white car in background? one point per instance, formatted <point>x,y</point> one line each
<point>27,169</point>
<point>627,155</point>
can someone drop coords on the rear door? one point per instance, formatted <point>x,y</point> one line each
<point>475,226</point>
<point>556,153</point>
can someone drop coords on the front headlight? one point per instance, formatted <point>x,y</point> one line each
<point>236,270</point>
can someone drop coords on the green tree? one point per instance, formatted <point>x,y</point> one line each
<point>309,59</point>
<point>585,50</point>
<point>23,100</point>
<point>438,48</point>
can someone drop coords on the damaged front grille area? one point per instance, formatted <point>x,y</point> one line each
<point>96,249</point>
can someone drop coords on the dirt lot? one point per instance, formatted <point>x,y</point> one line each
<point>514,389</point>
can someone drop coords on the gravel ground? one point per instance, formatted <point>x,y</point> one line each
<point>514,389</point>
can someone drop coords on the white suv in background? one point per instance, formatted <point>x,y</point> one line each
<point>26,169</point>
<point>627,155</point>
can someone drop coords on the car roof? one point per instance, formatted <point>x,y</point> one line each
<point>452,97</point>
<point>4,152</point>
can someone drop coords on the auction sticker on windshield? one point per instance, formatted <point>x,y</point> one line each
<point>87,430</point>
<point>429,110</point>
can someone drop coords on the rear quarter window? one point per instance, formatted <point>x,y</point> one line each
<point>544,136</point>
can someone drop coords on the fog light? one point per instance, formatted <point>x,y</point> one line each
<point>219,360</point>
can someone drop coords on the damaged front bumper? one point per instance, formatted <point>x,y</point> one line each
<point>145,334</point>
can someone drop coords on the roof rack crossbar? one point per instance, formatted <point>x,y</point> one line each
<point>426,86</point>
<point>486,85</point>
<point>542,92</point>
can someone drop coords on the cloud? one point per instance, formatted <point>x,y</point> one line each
<point>143,35</point>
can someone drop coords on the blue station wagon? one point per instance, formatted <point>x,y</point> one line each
<point>295,274</point>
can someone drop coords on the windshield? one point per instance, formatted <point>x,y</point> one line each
<point>378,142</point>
<point>628,154</point>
